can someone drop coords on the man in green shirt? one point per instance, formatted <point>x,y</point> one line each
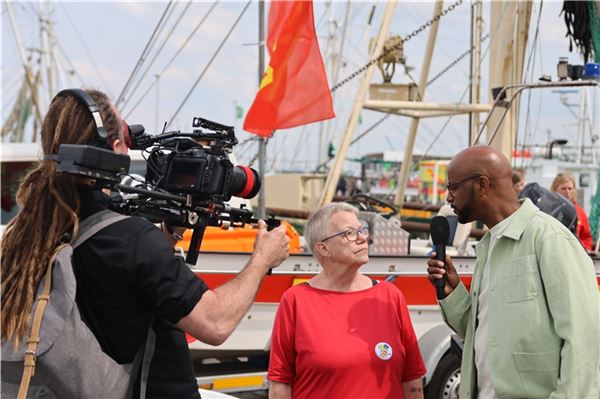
<point>531,321</point>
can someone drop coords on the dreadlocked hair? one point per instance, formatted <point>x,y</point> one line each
<point>49,204</point>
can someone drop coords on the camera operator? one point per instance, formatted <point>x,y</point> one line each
<point>127,274</point>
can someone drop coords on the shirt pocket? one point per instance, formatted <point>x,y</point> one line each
<point>520,279</point>
<point>538,372</point>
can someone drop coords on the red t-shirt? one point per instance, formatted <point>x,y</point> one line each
<point>359,344</point>
<point>584,233</point>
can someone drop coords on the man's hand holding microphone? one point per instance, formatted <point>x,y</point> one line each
<point>442,273</point>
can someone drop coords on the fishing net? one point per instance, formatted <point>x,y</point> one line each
<point>595,27</point>
<point>578,17</point>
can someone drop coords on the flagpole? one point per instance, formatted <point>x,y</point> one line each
<point>262,142</point>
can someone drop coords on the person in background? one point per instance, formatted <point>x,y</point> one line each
<point>518,181</point>
<point>342,335</point>
<point>127,272</point>
<point>341,188</point>
<point>564,183</point>
<point>531,321</point>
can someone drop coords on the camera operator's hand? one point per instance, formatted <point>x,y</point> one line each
<point>271,247</point>
<point>220,310</point>
<point>436,271</point>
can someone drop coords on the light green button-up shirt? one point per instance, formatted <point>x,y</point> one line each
<point>544,313</point>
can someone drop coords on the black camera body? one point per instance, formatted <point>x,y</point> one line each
<point>197,164</point>
<point>189,177</point>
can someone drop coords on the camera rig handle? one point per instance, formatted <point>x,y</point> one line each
<point>194,249</point>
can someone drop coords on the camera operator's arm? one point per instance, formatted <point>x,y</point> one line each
<point>219,311</point>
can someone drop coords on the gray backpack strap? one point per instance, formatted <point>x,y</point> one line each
<point>94,224</point>
<point>87,229</point>
<point>147,359</point>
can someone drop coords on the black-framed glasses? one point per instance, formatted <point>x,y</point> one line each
<point>451,187</point>
<point>351,234</point>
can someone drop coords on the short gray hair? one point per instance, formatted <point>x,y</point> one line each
<point>317,226</point>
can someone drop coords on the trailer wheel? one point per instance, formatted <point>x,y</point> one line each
<point>445,380</point>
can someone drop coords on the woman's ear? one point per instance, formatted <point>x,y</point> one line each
<point>321,248</point>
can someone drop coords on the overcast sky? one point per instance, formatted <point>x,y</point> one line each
<point>102,43</point>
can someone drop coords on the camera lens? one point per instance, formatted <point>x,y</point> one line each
<point>245,182</point>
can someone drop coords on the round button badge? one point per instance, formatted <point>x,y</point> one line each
<point>383,350</point>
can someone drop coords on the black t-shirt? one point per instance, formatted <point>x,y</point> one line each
<point>125,273</point>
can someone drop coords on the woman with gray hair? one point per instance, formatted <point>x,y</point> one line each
<point>341,334</point>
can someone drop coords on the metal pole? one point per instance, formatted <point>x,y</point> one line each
<point>581,122</point>
<point>414,123</point>
<point>329,68</point>
<point>262,142</point>
<point>475,93</point>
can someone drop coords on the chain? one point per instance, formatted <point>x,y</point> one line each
<point>407,38</point>
<point>443,71</point>
<point>456,61</point>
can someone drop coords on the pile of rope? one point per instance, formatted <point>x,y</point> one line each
<point>583,27</point>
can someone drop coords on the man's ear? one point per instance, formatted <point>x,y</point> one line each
<point>119,146</point>
<point>484,185</point>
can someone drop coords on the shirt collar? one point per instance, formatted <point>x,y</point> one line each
<point>521,218</point>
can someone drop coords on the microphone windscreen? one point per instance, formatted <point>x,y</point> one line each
<point>440,230</point>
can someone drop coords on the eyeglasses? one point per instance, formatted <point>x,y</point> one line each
<point>451,187</point>
<point>351,234</point>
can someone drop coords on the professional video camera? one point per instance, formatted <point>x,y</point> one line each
<point>189,178</point>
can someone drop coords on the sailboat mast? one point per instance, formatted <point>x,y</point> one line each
<point>507,56</point>
<point>29,77</point>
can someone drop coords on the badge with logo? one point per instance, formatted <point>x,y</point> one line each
<point>383,350</point>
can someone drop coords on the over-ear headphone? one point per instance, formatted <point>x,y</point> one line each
<point>85,99</point>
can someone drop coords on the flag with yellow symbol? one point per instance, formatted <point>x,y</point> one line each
<point>294,89</point>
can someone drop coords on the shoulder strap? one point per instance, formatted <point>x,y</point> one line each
<point>94,224</point>
<point>147,355</point>
<point>34,337</point>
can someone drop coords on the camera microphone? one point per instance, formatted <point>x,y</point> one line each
<point>440,234</point>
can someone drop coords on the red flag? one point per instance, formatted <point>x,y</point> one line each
<point>294,89</point>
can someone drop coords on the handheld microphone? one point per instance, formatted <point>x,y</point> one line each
<point>271,224</point>
<point>440,233</point>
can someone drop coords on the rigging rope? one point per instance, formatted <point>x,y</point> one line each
<point>209,62</point>
<point>187,40</point>
<point>145,52</point>
<point>157,53</point>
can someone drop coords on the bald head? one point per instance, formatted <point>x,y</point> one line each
<point>481,177</point>
<point>484,160</point>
